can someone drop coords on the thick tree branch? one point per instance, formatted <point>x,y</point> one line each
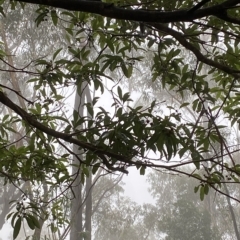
<point>200,57</point>
<point>68,138</point>
<point>65,136</point>
<point>229,19</point>
<point>140,15</point>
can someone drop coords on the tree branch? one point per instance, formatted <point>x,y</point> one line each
<point>200,57</point>
<point>140,15</point>
<point>224,16</point>
<point>198,6</point>
<point>65,136</point>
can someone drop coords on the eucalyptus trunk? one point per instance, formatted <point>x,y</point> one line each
<point>79,230</point>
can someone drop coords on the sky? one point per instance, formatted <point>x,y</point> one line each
<point>136,187</point>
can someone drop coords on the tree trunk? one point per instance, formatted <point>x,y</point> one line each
<point>77,202</point>
<point>76,208</point>
<point>232,213</point>
<point>88,210</point>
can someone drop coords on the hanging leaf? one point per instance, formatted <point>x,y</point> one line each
<point>17,227</point>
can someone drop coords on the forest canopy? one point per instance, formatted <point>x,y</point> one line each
<point>156,85</point>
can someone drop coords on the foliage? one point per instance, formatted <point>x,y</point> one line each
<point>117,217</point>
<point>181,213</point>
<point>190,50</point>
<point>177,212</point>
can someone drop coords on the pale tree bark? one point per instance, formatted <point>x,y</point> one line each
<point>77,227</point>
<point>89,187</point>
<point>76,207</point>
<point>233,217</point>
<point>88,210</point>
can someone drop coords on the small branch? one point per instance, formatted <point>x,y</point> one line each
<point>17,92</point>
<point>198,6</point>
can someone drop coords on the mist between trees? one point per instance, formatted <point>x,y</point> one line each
<point>92,89</point>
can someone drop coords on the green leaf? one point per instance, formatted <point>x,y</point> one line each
<point>182,151</point>
<point>119,90</point>
<point>184,104</point>
<point>142,170</point>
<point>56,53</point>
<point>5,118</point>
<point>125,70</point>
<point>196,189</point>
<point>169,150</point>
<point>13,218</point>
<point>151,42</point>
<point>30,222</point>
<point>54,17</point>
<point>202,192</point>
<point>130,71</point>
<point>154,140</point>
<point>90,109</point>
<point>206,189</point>
<point>85,171</point>
<point>110,44</point>
<point>17,227</point>
<point>197,176</point>
<point>34,221</point>
<point>95,168</point>
<point>195,104</point>
<point>126,97</point>
<point>196,157</point>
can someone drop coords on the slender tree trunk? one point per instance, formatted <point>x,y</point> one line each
<point>88,210</point>
<point>232,213</point>
<point>76,208</point>
<point>89,187</point>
